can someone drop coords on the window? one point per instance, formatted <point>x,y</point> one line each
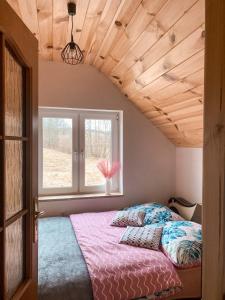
<point>71,142</point>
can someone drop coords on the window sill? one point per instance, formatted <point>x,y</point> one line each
<point>80,196</point>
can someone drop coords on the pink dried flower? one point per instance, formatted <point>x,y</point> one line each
<point>107,170</point>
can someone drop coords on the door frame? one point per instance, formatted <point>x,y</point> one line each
<point>25,47</point>
<point>214,153</point>
<point>214,122</point>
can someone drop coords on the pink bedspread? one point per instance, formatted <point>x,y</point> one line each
<point>120,272</point>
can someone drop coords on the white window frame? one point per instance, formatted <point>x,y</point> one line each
<point>78,117</point>
<point>56,113</point>
<point>113,117</point>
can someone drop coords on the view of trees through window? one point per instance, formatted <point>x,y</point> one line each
<point>58,150</point>
<point>97,147</point>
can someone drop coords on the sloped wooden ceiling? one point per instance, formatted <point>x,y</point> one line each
<point>153,50</point>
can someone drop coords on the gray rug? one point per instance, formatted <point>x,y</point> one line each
<point>63,274</point>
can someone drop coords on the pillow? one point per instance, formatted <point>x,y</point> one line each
<point>162,215</point>
<point>128,218</point>
<point>156,213</point>
<point>182,243</point>
<point>145,206</point>
<point>145,237</point>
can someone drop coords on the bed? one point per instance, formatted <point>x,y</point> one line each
<point>63,273</point>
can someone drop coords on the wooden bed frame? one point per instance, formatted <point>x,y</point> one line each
<point>191,279</point>
<point>189,211</point>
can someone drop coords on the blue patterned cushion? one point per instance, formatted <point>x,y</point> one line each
<point>182,243</point>
<point>156,213</point>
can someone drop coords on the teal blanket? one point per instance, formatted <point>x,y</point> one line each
<point>63,274</point>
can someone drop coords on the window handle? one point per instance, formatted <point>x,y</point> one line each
<point>75,155</point>
<point>82,154</point>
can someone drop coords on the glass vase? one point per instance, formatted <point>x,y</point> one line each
<point>108,186</point>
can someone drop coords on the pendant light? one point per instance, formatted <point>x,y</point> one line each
<point>71,54</point>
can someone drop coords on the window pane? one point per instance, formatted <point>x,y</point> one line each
<point>57,152</point>
<point>13,177</point>
<point>14,260</point>
<point>98,146</point>
<point>13,96</point>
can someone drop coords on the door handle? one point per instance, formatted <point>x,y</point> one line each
<point>38,214</point>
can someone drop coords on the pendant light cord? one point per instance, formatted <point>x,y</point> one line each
<point>72,30</point>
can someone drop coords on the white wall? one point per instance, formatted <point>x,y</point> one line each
<point>149,157</point>
<point>189,174</point>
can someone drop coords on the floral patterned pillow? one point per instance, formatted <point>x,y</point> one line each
<point>156,213</point>
<point>128,218</point>
<point>145,237</point>
<point>182,243</point>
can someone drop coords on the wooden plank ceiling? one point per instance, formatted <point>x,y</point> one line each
<point>153,50</point>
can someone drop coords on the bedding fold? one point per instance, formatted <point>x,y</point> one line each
<point>117,271</point>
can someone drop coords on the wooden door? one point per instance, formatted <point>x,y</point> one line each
<point>18,158</point>
<point>214,154</point>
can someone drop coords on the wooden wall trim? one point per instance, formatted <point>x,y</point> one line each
<point>214,152</point>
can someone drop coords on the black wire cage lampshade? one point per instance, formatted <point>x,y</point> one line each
<point>71,53</point>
